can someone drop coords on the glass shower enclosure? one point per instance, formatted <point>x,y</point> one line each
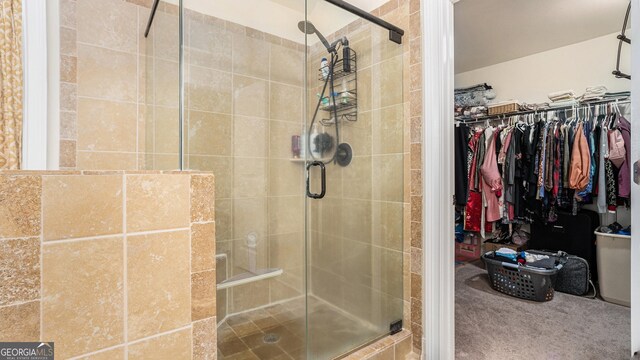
<point>297,107</point>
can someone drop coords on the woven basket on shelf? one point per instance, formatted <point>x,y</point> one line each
<point>503,108</point>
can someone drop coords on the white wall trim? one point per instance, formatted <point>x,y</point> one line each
<point>635,188</point>
<point>34,137</point>
<point>438,158</point>
<point>53,84</point>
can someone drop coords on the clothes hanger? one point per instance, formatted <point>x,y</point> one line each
<point>617,108</point>
<point>592,119</point>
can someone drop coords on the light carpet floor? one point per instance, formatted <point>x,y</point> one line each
<point>491,325</point>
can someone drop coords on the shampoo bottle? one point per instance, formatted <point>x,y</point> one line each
<point>324,67</point>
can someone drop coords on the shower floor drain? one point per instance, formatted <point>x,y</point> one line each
<point>271,338</point>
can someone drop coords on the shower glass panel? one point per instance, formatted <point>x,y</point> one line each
<point>242,90</point>
<point>355,232</point>
<point>162,89</point>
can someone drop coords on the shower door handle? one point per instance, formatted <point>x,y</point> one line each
<point>323,180</point>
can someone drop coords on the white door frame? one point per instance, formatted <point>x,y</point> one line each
<point>438,317</point>
<point>635,188</point>
<point>35,129</point>
<point>41,105</point>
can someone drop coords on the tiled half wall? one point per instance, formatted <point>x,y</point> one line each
<point>109,265</point>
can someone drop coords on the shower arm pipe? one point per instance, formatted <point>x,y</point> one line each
<point>395,33</point>
<point>154,7</point>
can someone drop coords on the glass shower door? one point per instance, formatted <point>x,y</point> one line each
<point>355,151</point>
<point>268,104</point>
<point>243,103</point>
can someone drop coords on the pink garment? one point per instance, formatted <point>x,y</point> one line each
<point>491,182</point>
<point>503,151</point>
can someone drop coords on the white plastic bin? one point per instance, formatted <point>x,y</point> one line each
<point>614,267</point>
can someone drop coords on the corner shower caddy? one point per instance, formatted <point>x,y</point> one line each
<point>346,99</point>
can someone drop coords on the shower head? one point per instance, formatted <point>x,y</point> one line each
<point>308,28</point>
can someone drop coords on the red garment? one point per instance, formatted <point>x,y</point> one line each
<point>473,212</point>
<point>473,208</point>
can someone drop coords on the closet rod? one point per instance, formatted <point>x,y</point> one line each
<point>620,101</point>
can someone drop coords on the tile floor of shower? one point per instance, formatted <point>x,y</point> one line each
<point>277,332</point>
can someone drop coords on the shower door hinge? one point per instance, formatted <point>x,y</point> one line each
<point>395,327</point>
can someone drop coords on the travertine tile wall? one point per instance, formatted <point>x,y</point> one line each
<point>161,140</point>
<point>407,13</point>
<point>357,229</point>
<point>86,95</point>
<point>109,264</point>
<point>102,69</point>
<point>394,347</point>
<point>416,120</point>
<point>243,102</point>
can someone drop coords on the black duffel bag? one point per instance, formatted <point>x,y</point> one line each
<point>574,277</point>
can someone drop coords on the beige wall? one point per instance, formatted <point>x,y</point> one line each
<point>108,263</point>
<point>577,66</point>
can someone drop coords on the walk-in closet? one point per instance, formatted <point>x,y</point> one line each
<point>543,176</point>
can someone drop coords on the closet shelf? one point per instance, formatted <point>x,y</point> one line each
<point>619,100</point>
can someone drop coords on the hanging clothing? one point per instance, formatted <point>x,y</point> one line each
<point>461,175</point>
<point>624,176</point>
<point>473,207</point>
<point>566,157</point>
<point>525,171</point>
<point>542,161</point>
<point>491,181</point>
<point>611,183</point>
<point>580,167</point>
<point>603,152</point>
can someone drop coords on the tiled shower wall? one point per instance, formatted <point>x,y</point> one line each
<point>262,85</point>
<point>243,100</point>
<point>357,242</point>
<point>106,264</point>
<point>405,14</point>
<point>416,121</point>
<point>102,116</point>
<point>102,68</point>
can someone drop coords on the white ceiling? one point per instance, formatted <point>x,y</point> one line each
<point>281,17</point>
<point>489,32</point>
